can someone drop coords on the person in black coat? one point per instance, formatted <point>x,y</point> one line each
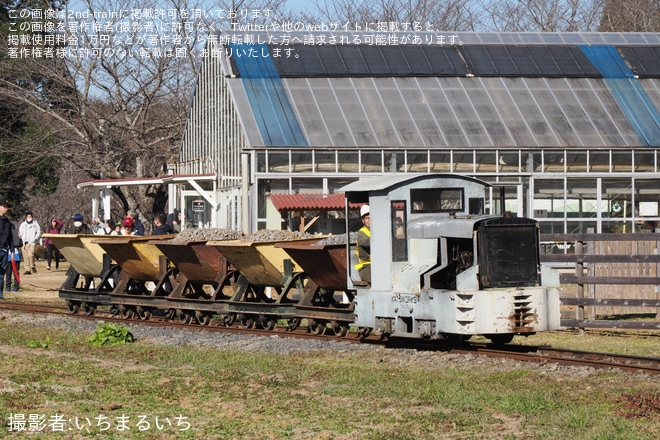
<point>12,282</point>
<point>162,227</point>
<point>78,226</point>
<point>6,242</point>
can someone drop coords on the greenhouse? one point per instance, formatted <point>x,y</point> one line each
<point>567,123</point>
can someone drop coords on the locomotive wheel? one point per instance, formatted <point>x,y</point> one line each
<point>293,323</point>
<point>363,332</point>
<point>500,339</point>
<point>89,309</point>
<point>339,329</point>
<point>143,313</point>
<point>454,339</point>
<point>72,306</point>
<point>247,322</point>
<point>316,327</point>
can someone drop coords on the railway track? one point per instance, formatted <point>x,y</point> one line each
<point>532,354</point>
<point>545,355</point>
<point>160,321</point>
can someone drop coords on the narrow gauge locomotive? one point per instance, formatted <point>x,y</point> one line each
<point>441,268</point>
<point>451,271</point>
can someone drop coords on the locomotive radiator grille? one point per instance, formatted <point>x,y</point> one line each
<point>523,317</point>
<point>508,253</point>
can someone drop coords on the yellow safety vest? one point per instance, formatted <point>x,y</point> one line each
<point>362,263</point>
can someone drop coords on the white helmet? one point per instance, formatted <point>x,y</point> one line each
<point>364,210</point>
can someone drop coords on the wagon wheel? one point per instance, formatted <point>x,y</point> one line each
<point>317,327</point>
<point>340,329</point>
<point>203,318</point>
<point>184,317</point>
<point>89,309</point>
<point>229,319</point>
<point>73,306</point>
<point>293,323</point>
<point>143,313</point>
<point>247,321</point>
<point>170,314</point>
<point>126,312</point>
<point>268,322</point>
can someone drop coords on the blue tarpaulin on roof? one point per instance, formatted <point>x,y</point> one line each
<point>631,96</point>
<point>270,104</point>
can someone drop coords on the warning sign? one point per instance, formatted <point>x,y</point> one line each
<point>198,205</point>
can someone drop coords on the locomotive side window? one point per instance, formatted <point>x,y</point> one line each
<point>436,200</point>
<point>476,206</point>
<point>399,234</point>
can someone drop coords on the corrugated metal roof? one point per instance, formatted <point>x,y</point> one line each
<point>310,202</point>
<point>504,101</point>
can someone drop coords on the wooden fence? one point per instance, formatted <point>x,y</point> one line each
<point>615,276</point>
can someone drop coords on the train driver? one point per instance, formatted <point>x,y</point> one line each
<point>364,246</point>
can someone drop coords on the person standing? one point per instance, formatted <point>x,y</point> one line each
<point>12,278</point>
<point>6,242</point>
<point>51,250</point>
<point>364,246</point>
<point>30,232</point>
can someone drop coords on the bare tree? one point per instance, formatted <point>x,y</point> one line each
<point>451,15</point>
<point>542,15</point>
<point>631,16</point>
<point>116,102</point>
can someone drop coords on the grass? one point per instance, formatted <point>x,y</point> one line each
<point>321,395</point>
<point>644,343</point>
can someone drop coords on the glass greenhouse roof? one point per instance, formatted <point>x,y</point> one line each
<point>493,90</point>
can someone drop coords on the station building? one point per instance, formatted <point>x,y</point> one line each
<point>567,123</point>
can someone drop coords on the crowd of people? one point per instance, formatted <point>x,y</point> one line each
<point>18,244</point>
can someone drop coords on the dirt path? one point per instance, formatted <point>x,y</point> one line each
<point>40,286</point>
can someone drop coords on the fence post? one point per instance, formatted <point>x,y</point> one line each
<point>656,289</point>
<point>579,272</point>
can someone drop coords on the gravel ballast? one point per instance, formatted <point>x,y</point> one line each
<point>282,345</point>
